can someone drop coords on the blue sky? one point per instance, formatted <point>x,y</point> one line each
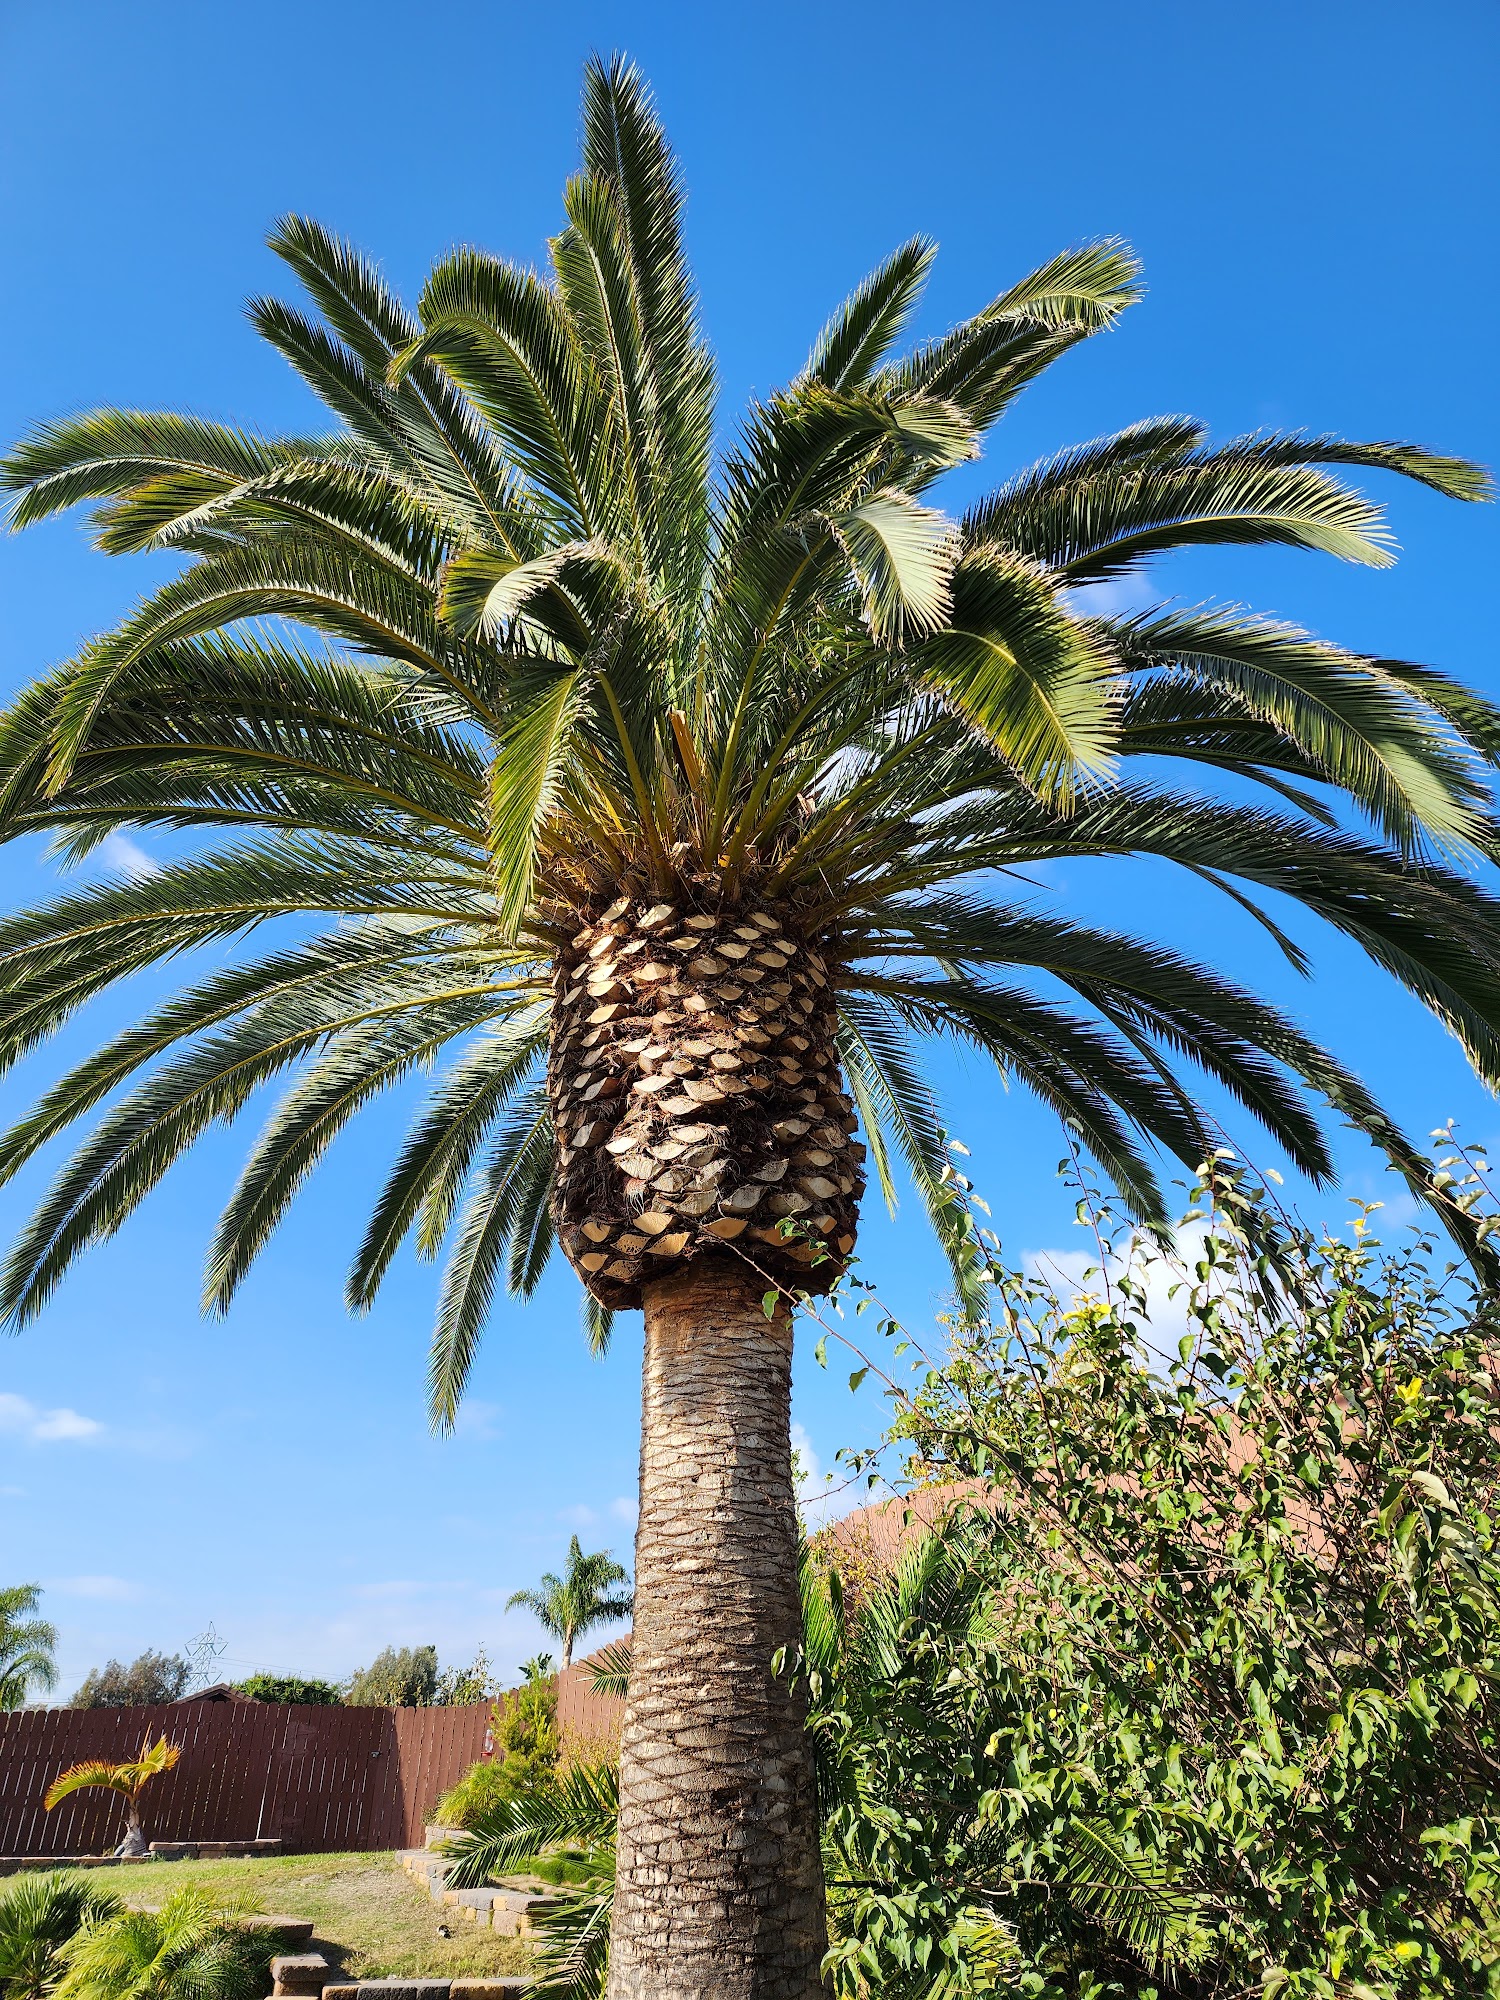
<point>1309,189</point>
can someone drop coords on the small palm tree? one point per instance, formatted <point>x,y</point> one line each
<point>186,1950</point>
<point>683,793</point>
<point>39,1916</point>
<point>26,1644</point>
<point>585,1595</point>
<point>129,1780</point>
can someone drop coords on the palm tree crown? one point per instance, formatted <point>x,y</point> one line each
<point>577,682</point>
<point>26,1645</point>
<point>585,1595</point>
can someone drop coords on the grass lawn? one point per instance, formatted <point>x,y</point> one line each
<point>362,1904</point>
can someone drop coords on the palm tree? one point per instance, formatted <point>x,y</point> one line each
<point>683,796</point>
<point>572,1604</point>
<point>26,1645</point>
<point>39,1916</point>
<point>129,1780</point>
<point>186,1950</point>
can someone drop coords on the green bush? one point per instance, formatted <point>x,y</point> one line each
<point>291,1690</point>
<point>526,1755</point>
<point>400,1677</point>
<point>1248,1578</point>
<point>461,1687</point>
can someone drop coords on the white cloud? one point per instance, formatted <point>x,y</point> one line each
<point>478,1419</point>
<point>578,1517</point>
<point>104,1589</point>
<point>626,1508</point>
<point>126,857</point>
<point>12,1492</point>
<point>820,1497</point>
<point>20,1417</point>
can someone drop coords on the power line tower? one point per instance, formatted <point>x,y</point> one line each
<point>203,1655</point>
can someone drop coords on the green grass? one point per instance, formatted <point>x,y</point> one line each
<point>362,1905</point>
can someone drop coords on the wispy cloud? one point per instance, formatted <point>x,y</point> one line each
<point>478,1419</point>
<point>125,856</point>
<point>20,1417</point>
<point>626,1508</point>
<point>103,1589</point>
<point>402,1588</point>
<point>578,1517</point>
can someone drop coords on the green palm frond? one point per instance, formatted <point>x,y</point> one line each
<point>580,1808</point>
<point>1135,1896</point>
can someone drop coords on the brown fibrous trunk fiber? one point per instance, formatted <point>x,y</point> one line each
<point>696,1099</point>
<point>719,1884</point>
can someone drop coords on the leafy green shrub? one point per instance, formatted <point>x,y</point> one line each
<point>483,1786</point>
<point>291,1690</point>
<point>459,1687</point>
<point>400,1677</point>
<point>39,1916</point>
<point>527,1746</point>
<point>1249,1597</point>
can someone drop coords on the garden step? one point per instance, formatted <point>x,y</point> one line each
<point>397,1989</point>
<point>429,1989</point>
<point>512,1911</point>
<point>294,1930</point>
<point>302,1972</point>
<point>474,1905</point>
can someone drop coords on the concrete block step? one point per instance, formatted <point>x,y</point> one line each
<point>429,1989</point>
<point>303,1972</point>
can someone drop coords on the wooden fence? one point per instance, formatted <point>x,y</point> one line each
<point>321,1779</point>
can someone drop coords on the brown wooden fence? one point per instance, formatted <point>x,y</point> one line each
<point>321,1779</point>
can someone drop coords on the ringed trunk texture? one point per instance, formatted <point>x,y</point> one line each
<point>719,1880</point>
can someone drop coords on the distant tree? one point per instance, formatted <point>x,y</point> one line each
<point>186,1950</point>
<point>129,1780</point>
<point>584,1596</point>
<point>459,1686</point>
<point>400,1677</point>
<point>26,1644</point>
<point>39,1914</point>
<point>151,1677</point>
<point>291,1689</point>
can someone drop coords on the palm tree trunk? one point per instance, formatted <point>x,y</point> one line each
<point>720,1892</point>
<point>135,1839</point>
